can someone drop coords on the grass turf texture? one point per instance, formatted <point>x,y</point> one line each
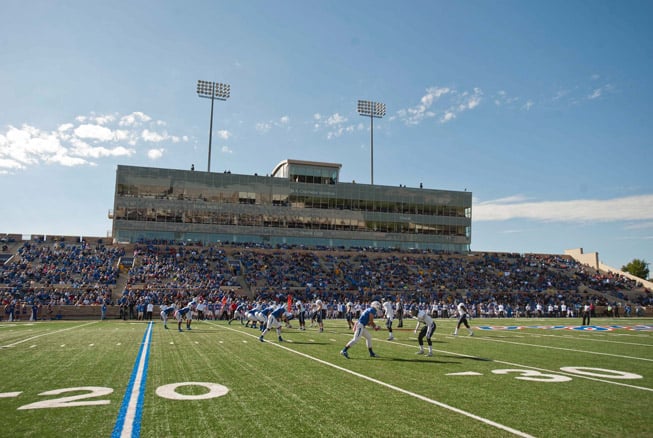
<point>496,383</point>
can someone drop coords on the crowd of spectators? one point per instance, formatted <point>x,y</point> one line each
<point>59,273</point>
<point>494,284</point>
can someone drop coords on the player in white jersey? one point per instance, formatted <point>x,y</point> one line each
<point>427,330</point>
<point>349,314</point>
<point>463,314</point>
<point>319,314</point>
<point>389,314</point>
<point>301,314</point>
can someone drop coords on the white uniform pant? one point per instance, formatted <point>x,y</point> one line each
<point>360,331</point>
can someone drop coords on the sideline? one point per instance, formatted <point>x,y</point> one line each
<point>128,423</point>
<point>387,385</point>
<point>46,334</point>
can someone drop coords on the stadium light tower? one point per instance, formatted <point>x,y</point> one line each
<point>213,91</point>
<point>371,110</point>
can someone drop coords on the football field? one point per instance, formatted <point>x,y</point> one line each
<point>514,377</point>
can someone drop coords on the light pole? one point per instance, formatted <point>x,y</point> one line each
<point>213,91</point>
<point>371,110</point>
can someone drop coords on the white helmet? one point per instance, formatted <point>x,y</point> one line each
<point>376,305</point>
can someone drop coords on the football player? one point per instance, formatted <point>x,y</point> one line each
<point>366,319</point>
<point>427,330</point>
<point>462,319</point>
<point>274,322</point>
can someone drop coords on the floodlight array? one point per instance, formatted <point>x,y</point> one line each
<point>213,90</point>
<point>371,109</point>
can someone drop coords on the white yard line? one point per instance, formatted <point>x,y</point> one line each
<point>393,387</point>
<point>129,417</point>
<point>46,334</point>
<point>577,376</point>
<point>481,338</point>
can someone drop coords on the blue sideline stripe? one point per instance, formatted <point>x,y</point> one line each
<point>131,418</point>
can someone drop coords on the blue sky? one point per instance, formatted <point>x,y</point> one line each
<point>541,109</point>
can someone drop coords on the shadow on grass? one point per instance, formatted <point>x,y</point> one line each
<point>294,342</point>
<point>425,360</point>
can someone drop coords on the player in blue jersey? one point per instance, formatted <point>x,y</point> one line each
<point>275,317</point>
<point>366,319</point>
<point>185,313</point>
<point>250,316</point>
<point>166,312</point>
<point>262,316</point>
<point>427,330</point>
<point>239,313</point>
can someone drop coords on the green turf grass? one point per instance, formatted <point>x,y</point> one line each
<point>473,386</point>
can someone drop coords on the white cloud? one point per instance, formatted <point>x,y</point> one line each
<point>67,160</point>
<point>335,119</point>
<point>226,150</point>
<point>134,119</point>
<point>155,154</point>
<point>263,127</point>
<point>224,134</point>
<point>95,132</point>
<point>89,137</point>
<point>640,226</point>
<point>635,208</point>
<point>152,136</point>
<point>65,127</point>
<point>7,163</point>
<point>454,103</point>
<point>595,94</point>
<point>447,117</point>
<point>105,119</point>
<point>414,115</point>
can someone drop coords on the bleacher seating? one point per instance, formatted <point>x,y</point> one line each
<point>70,271</point>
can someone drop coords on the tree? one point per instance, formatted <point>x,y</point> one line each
<point>638,268</point>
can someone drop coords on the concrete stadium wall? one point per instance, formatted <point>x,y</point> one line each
<point>592,260</point>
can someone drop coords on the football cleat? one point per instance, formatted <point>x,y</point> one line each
<point>420,352</point>
<point>260,338</point>
<point>372,354</point>
<point>430,354</point>
<point>280,339</point>
<point>344,353</point>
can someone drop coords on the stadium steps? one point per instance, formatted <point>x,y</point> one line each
<point>118,288</point>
